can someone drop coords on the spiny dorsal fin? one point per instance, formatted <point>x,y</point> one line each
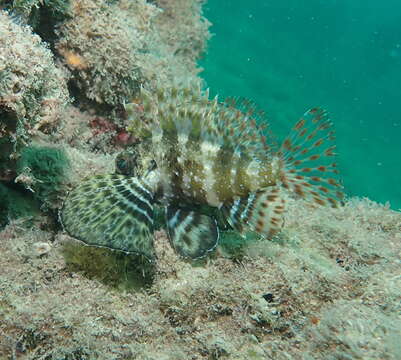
<point>189,111</point>
<point>260,211</point>
<point>310,170</point>
<point>113,211</point>
<point>191,234</point>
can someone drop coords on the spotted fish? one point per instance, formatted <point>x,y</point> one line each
<point>210,165</point>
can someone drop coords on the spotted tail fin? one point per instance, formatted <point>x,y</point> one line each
<point>309,169</point>
<point>260,211</point>
<point>191,234</point>
<point>113,211</point>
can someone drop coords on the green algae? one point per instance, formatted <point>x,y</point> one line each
<point>46,167</point>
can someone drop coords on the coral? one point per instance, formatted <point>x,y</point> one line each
<point>32,89</point>
<point>112,49</point>
<point>37,12</point>
<point>326,287</point>
<point>364,333</point>
<point>84,163</point>
<point>100,45</point>
<point>183,28</point>
<point>104,51</point>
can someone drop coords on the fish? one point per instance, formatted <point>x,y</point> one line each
<point>210,165</point>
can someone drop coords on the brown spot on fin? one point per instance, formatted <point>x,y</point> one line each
<point>309,168</point>
<point>261,211</point>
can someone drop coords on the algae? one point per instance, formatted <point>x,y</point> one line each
<point>43,169</point>
<point>120,271</point>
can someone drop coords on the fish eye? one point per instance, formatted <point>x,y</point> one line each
<point>152,165</point>
<point>126,163</point>
<point>121,164</point>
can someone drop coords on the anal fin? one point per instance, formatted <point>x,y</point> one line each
<point>261,211</point>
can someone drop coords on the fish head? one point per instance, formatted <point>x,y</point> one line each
<point>135,161</point>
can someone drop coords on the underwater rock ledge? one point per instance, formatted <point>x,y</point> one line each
<point>327,287</point>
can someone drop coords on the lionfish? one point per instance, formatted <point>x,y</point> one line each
<point>209,164</point>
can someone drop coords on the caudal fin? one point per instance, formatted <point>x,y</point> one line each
<point>309,169</point>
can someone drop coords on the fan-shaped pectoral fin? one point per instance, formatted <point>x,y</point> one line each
<point>113,211</point>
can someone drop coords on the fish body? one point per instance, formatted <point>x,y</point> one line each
<point>194,153</point>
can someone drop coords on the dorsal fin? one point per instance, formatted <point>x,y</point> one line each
<point>231,124</point>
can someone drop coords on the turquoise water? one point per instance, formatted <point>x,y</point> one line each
<point>344,55</point>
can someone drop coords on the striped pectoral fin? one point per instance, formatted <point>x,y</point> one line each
<point>191,234</point>
<point>113,211</point>
<point>261,211</point>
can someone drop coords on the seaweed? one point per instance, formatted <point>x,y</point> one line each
<point>42,170</point>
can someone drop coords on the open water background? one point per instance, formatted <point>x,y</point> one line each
<point>344,55</point>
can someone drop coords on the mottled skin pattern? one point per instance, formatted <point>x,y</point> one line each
<point>205,173</point>
<point>194,155</point>
<point>196,167</point>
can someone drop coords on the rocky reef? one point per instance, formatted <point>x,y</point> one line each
<point>328,286</point>
<point>66,71</point>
